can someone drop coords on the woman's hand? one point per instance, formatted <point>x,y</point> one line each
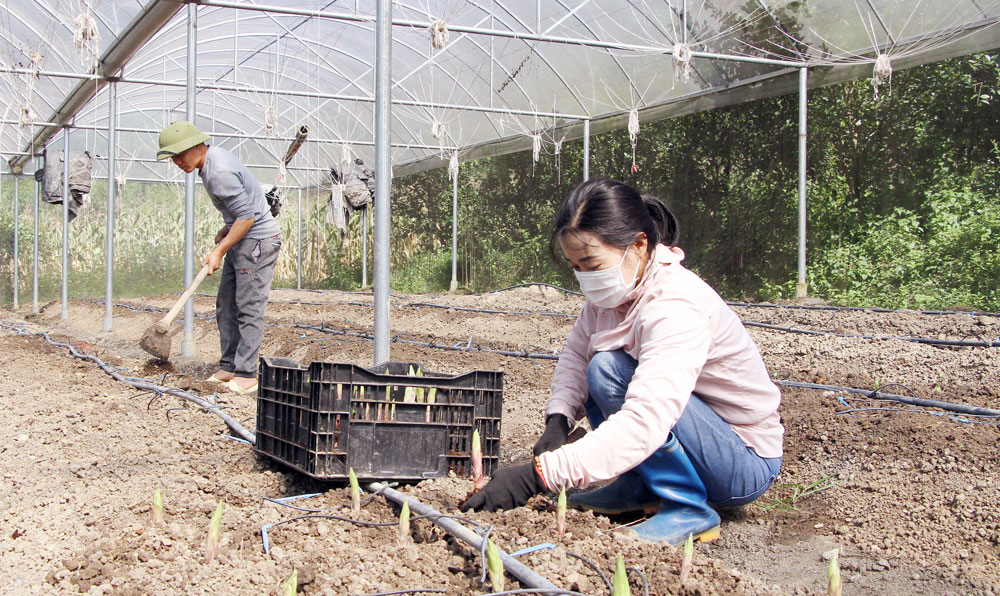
<point>555,436</point>
<point>509,488</point>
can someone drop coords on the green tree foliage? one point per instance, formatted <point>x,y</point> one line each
<point>902,209</point>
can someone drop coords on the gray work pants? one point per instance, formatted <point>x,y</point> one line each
<point>239,308</point>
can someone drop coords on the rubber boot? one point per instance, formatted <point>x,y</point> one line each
<point>626,494</point>
<point>684,508</point>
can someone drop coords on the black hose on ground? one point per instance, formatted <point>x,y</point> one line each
<point>906,399</point>
<point>143,384</point>
<point>919,340</point>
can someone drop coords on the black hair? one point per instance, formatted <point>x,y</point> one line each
<point>616,213</point>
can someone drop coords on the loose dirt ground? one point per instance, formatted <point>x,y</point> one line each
<point>912,496</point>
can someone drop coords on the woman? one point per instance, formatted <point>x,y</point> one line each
<point>683,410</point>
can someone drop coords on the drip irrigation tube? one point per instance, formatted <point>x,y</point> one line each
<point>919,340</point>
<point>971,313</point>
<point>490,311</point>
<point>524,575</point>
<point>142,384</point>
<point>469,347</point>
<point>533,283</point>
<point>906,399</point>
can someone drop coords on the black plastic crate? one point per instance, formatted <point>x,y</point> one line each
<point>328,417</point>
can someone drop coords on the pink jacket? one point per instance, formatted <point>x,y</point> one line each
<point>686,340</point>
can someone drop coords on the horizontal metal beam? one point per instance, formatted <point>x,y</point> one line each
<point>520,35</point>
<point>290,93</point>
<point>142,28</point>
<point>234,135</point>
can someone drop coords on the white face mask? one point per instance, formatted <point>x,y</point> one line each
<point>606,288</point>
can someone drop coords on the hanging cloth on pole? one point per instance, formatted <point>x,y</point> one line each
<point>353,188</point>
<point>51,178</point>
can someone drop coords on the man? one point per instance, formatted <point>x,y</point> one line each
<point>249,243</point>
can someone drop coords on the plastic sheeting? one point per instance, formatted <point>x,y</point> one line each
<point>265,74</point>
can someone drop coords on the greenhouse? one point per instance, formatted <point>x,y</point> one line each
<point>889,414</point>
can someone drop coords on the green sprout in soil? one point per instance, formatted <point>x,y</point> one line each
<point>833,586</point>
<point>157,507</point>
<point>290,586</point>
<point>404,523</point>
<point>355,492</point>
<point>478,479</point>
<point>214,534</point>
<point>561,514</point>
<point>797,492</point>
<point>620,585</point>
<point>688,556</point>
<point>494,566</point>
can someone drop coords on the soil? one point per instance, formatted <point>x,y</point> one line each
<point>909,495</point>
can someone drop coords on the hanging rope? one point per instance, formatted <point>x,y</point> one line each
<point>557,145</point>
<point>282,172</point>
<point>682,62</point>
<point>882,73</point>
<point>270,118</point>
<point>86,36</point>
<point>26,117</point>
<point>439,34</point>
<point>453,164</point>
<point>536,147</point>
<point>437,129</point>
<point>633,134</point>
<point>345,156</point>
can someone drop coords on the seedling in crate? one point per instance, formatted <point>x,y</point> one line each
<point>494,566</point>
<point>688,556</point>
<point>561,513</point>
<point>420,390</point>
<point>290,586</point>
<point>214,534</point>
<point>404,523</point>
<point>409,393</point>
<point>355,492</point>
<point>479,480</point>
<point>833,586</point>
<point>619,583</point>
<point>157,507</point>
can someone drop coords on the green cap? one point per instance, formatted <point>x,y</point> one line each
<point>178,137</point>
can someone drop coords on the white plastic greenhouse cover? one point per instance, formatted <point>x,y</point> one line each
<point>509,75</point>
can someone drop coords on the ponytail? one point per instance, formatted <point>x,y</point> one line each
<point>668,230</point>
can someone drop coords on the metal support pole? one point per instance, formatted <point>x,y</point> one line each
<point>64,313</point>
<point>298,248</point>
<point>802,288</point>
<point>454,231</point>
<point>109,246</point>
<point>586,150</point>
<point>34,251</point>
<point>187,344</point>
<point>17,211</point>
<point>364,248</point>
<point>383,173</point>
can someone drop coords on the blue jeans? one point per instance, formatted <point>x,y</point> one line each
<point>732,473</point>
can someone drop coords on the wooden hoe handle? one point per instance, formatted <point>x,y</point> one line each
<point>163,325</point>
